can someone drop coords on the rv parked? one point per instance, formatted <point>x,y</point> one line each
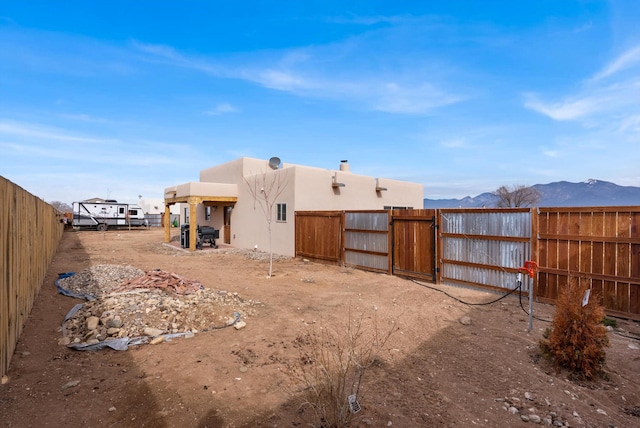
<point>102,214</point>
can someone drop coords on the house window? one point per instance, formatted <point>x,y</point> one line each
<point>281,212</point>
<point>207,213</point>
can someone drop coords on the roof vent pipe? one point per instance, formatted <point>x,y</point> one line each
<point>344,165</point>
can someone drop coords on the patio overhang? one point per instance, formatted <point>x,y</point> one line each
<point>195,193</point>
<point>201,193</point>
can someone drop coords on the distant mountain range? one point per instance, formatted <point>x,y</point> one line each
<point>588,193</point>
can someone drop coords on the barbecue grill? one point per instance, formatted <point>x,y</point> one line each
<point>207,234</point>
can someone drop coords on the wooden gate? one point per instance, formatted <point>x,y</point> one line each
<point>414,244</point>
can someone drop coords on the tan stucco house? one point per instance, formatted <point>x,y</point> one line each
<point>231,197</point>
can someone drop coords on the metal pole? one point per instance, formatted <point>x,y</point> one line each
<point>530,282</point>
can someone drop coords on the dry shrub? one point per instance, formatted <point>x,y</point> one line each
<point>577,339</point>
<point>331,367</point>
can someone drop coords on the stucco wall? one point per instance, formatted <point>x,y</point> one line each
<point>302,188</point>
<point>315,191</point>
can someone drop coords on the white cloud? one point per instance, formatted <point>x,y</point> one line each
<point>631,125</point>
<point>594,105</point>
<point>34,141</point>
<point>281,80</point>
<point>40,132</point>
<point>628,59</point>
<point>605,99</point>
<point>327,72</point>
<point>455,143</point>
<point>412,98</point>
<point>221,109</point>
<point>81,117</point>
<point>172,56</point>
<point>568,109</point>
<point>365,20</point>
<point>550,153</point>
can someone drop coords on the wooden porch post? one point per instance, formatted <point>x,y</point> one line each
<point>193,222</point>
<point>167,223</point>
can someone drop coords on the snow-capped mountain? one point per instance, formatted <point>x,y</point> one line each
<point>590,192</point>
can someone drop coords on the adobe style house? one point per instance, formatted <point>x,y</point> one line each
<point>232,198</point>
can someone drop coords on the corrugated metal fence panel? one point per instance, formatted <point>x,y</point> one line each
<point>367,220</point>
<point>503,254</point>
<point>155,220</point>
<point>476,276</point>
<point>367,239</point>
<point>506,223</point>
<point>484,247</point>
<point>367,261</point>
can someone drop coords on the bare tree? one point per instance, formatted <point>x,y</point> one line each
<point>61,206</point>
<point>517,196</point>
<point>265,190</point>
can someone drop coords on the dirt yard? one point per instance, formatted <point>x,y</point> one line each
<point>447,364</point>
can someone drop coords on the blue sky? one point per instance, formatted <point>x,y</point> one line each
<point>119,99</point>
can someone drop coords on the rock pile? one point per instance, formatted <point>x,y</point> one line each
<point>528,411</point>
<point>151,305</point>
<point>99,280</point>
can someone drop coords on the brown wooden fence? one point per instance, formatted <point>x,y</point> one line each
<point>400,242</point>
<point>599,246</point>
<point>319,235</point>
<point>30,231</point>
<point>485,247</point>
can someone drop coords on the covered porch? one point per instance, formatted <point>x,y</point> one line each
<point>194,194</point>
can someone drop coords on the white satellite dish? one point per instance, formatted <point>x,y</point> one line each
<point>274,162</point>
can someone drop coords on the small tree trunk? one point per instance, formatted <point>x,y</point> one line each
<point>270,254</point>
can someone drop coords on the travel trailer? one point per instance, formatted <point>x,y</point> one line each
<point>102,214</point>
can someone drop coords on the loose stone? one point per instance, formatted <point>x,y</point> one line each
<point>92,323</point>
<point>123,311</point>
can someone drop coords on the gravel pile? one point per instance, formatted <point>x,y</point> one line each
<point>139,312</point>
<point>253,254</point>
<point>99,280</point>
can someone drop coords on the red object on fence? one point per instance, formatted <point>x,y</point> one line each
<point>530,267</point>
